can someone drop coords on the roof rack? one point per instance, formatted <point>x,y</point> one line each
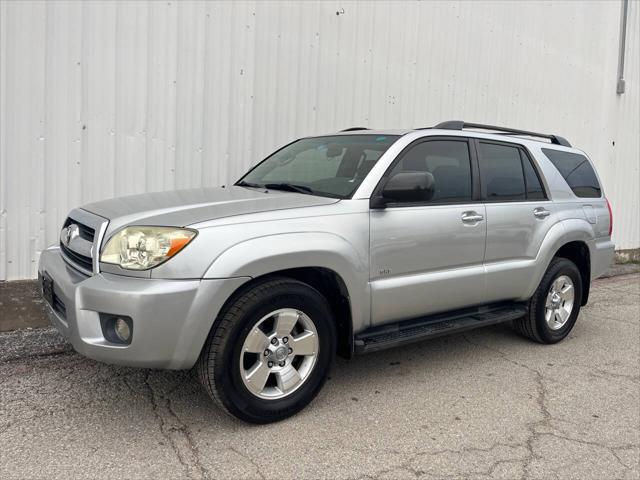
<point>460,125</point>
<point>354,129</point>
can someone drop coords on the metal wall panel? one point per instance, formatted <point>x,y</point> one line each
<point>99,99</point>
<point>621,168</point>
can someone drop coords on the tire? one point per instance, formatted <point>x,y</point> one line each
<point>225,362</point>
<point>535,325</point>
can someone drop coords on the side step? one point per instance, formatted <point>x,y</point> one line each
<point>409,331</point>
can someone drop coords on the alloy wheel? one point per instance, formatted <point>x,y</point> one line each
<point>559,304</point>
<point>279,353</point>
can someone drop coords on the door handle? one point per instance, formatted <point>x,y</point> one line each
<point>541,212</point>
<point>471,217</point>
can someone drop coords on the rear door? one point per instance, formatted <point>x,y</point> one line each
<point>519,215</point>
<point>427,257</point>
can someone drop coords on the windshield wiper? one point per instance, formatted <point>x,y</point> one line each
<point>242,183</point>
<point>289,187</point>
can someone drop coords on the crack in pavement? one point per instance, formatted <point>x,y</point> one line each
<point>57,353</point>
<point>175,431</point>
<point>629,447</point>
<point>406,464</point>
<point>250,460</point>
<point>546,421</point>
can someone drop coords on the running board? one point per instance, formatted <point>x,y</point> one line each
<point>409,331</point>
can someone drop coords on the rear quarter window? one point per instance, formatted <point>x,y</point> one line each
<point>577,171</point>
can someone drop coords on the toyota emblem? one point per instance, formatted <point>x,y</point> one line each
<point>69,233</point>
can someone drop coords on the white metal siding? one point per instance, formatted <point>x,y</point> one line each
<point>105,99</point>
<point>620,164</point>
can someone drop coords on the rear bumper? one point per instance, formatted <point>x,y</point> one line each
<point>602,254</point>
<point>171,318</point>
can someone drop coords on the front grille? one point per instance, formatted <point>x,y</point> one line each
<point>78,246</point>
<point>85,231</point>
<point>81,260</point>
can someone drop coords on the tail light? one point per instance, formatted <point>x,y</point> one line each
<point>610,217</point>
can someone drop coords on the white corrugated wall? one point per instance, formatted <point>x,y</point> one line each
<point>99,99</point>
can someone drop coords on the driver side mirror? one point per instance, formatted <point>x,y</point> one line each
<point>405,187</point>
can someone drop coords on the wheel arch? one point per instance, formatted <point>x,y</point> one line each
<point>577,251</point>
<point>325,261</point>
<point>572,239</point>
<point>330,285</point>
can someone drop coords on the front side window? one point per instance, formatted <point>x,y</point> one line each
<point>577,171</point>
<point>332,166</point>
<point>501,172</point>
<point>449,163</point>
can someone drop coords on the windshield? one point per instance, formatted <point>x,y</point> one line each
<point>332,166</point>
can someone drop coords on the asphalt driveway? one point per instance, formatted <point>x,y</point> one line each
<point>487,404</point>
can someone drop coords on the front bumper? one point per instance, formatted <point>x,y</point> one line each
<point>171,318</point>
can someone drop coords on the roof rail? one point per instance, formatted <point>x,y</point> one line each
<point>460,125</point>
<point>354,129</point>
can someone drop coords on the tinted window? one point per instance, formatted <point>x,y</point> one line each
<point>534,187</point>
<point>448,162</point>
<point>330,166</point>
<point>577,171</point>
<point>501,172</point>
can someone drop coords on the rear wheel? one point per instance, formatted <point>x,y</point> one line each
<point>554,308</point>
<point>269,353</point>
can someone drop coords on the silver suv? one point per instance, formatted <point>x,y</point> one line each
<point>345,243</point>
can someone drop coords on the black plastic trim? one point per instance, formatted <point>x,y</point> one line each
<point>77,259</point>
<point>47,287</point>
<point>409,331</point>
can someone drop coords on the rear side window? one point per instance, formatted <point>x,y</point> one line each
<point>577,171</point>
<point>501,172</point>
<point>449,163</point>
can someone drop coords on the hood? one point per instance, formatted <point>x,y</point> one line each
<point>180,208</point>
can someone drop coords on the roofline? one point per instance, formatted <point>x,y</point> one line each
<point>460,125</point>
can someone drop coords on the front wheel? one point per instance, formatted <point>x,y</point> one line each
<point>269,353</point>
<point>554,307</point>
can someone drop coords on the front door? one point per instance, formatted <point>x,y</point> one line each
<point>427,257</point>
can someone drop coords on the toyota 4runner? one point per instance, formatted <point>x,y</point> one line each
<point>345,243</point>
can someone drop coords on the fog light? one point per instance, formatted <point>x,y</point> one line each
<point>122,330</point>
<point>116,328</point>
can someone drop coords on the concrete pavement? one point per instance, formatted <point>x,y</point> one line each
<point>487,404</point>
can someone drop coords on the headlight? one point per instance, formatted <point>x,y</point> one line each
<point>142,248</point>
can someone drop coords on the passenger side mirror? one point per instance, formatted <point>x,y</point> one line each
<point>406,187</point>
